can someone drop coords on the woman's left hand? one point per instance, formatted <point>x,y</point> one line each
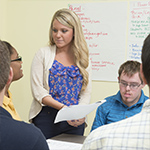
<point>77,122</point>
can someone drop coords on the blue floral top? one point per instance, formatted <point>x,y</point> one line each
<point>65,83</point>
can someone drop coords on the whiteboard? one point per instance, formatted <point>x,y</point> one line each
<point>106,29</point>
<point>139,28</point>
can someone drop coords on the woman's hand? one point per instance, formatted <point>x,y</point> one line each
<point>76,123</point>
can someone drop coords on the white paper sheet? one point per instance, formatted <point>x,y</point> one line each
<point>76,111</point>
<point>61,145</point>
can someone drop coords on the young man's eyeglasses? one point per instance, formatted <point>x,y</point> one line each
<point>131,85</point>
<point>18,59</point>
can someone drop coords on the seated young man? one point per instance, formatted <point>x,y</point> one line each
<point>128,101</point>
<point>132,133</point>
<point>15,135</point>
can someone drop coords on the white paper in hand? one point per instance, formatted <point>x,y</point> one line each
<point>76,111</point>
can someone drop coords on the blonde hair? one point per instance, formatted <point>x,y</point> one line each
<point>79,45</point>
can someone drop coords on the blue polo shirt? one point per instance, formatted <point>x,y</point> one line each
<point>114,110</point>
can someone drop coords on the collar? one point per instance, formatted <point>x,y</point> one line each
<point>4,112</point>
<point>6,100</point>
<point>141,100</point>
<point>146,106</point>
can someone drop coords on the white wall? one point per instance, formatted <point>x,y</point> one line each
<point>3,16</point>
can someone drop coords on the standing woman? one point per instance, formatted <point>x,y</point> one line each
<point>60,76</point>
<point>16,65</point>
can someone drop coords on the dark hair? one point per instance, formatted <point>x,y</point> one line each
<point>146,59</point>
<point>4,64</point>
<point>130,68</point>
<point>9,46</point>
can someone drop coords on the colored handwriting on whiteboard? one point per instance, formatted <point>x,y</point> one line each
<point>96,65</point>
<point>139,14</point>
<point>135,51</point>
<point>86,20</point>
<point>91,36</point>
<point>81,15</point>
<point>140,20</point>
<point>142,4</point>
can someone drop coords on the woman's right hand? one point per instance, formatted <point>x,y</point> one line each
<point>76,123</point>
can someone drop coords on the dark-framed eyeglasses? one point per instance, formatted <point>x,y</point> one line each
<point>18,59</point>
<point>131,85</point>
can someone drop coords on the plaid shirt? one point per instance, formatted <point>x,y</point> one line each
<point>129,134</point>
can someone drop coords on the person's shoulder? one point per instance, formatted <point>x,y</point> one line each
<point>110,99</point>
<point>146,97</point>
<point>47,49</point>
<point>113,98</point>
<point>45,52</point>
<point>26,128</point>
<point>143,94</point>
<point>102,134</point>
<point>23,135</point>
<point>146,105</point>
<point>32,135</point>
<point>108,104</point>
